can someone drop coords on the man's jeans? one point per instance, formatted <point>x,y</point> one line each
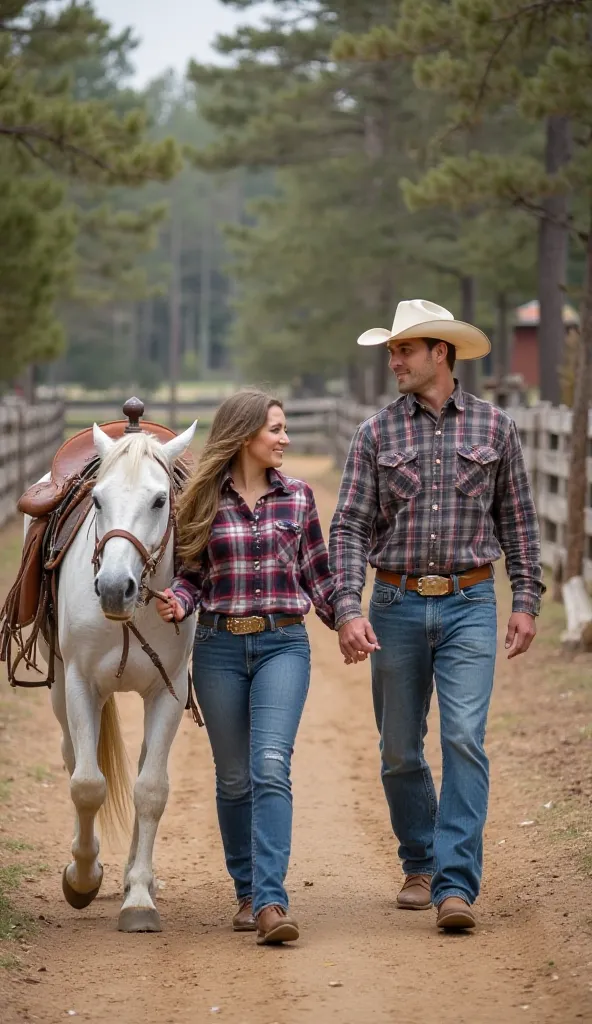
<point>251,690</point>
<point>452,640</point>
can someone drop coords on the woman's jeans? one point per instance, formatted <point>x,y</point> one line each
<point>450,640</point>
<point>251,690</point>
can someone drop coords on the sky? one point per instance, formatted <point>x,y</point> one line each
<point>173,31</point>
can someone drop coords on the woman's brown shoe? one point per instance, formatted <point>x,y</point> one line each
<point>243,920</point>
<point>454,913</point>
<point>415,894</point>
<point>274,925</point>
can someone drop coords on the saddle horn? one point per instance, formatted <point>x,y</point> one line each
<point>134,410</point>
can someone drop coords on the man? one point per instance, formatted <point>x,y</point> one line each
<point>433,490</point>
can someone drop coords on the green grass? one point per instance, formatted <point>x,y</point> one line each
<point>9,962</point>
<point>4,790</point>
<point>40,773</point>
<point>13,923</point>
<point>16,845</point>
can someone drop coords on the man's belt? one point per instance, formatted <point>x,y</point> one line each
<point>436,586</point>
<point>248,623</point>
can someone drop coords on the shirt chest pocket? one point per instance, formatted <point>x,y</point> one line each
<point>287,536</point>
<point>476,469</point>
<point>400,470</point>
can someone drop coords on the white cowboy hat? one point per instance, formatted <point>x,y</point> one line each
<point>418,318</point>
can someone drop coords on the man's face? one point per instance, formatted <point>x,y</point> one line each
<point>415,366</point>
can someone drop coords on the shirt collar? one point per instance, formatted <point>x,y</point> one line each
<point>456,398</point>
<point>277,481</point>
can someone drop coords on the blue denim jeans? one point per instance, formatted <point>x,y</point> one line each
<point>450,640</point>
<point>251,690</point>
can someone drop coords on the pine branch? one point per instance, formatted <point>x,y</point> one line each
<point>543,6</point>
<point>21,132</point>
<point>23,141</point>
<point>541,213</point>
<point>495,53</point>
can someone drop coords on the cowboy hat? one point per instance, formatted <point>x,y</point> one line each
<point>418,318</point>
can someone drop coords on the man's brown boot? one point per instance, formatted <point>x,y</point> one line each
<point>243,920</point>
<point>275,925</point>
<point>416,893</point>
<point>454,913</point>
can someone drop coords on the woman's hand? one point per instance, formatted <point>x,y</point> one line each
<point>357,640</point>
<point>169,608</point>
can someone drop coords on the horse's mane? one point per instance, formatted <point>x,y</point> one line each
<point>133,447</point>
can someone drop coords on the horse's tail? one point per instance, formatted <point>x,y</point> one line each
<point>114,815</point>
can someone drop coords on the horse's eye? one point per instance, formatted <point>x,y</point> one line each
<point>96,502</point>
<point>159,502</point>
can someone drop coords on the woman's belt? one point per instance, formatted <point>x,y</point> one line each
<point>249,623</point>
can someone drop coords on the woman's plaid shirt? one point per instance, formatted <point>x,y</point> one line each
<point>424,495</point>
<point>267,562</point>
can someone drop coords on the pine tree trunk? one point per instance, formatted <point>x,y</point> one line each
<point>552,264</point>
<point>501,351</point>
<point>577,484</point>
<point>174,316</point>
<point>467,370</point>
<point>205,297</point>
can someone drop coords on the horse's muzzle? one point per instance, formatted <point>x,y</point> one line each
<point>118,595</point>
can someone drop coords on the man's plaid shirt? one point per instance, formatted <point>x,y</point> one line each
<point>271,561</point>
<point>424,495</point>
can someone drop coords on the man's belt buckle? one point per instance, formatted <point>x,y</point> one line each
<point>249,624</point>
<point>432,586</point>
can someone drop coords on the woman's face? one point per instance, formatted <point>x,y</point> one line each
<point>267,447</point>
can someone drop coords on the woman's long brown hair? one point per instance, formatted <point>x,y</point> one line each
<point>237,420</point>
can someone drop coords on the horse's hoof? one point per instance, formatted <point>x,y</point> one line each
<point>78,900</point>
<point>139,919</point>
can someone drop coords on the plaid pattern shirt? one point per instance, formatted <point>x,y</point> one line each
<point>272,561</point>
<point>423,495</point>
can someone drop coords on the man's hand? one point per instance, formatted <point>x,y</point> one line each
<point>521,632</point>
<point>357,640</point>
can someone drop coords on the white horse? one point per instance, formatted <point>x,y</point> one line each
<point>131,495</point>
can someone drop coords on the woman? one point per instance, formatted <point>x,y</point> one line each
<point>254,559</point>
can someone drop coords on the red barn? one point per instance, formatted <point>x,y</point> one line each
<point>525,349</point>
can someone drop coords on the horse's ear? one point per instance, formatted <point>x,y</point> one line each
<point>103,443</point>
<point>177,445</point>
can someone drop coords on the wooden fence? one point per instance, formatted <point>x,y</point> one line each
<point>545,434</point>
<point>29,437</point>
<point>308,419</point>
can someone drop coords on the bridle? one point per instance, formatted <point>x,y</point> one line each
<point>150,561</point>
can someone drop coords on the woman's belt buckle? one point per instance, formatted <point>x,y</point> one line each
<point>433,586</point>
<point>247,624</point>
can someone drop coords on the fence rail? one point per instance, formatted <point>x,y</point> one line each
<point>309,418</point>
<point>29,437</point>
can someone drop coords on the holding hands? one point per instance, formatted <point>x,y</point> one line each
<point>357,640</point>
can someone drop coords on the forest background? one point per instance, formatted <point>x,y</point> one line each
<point>246,222</point>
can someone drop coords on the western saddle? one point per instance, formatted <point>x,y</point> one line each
<point>58,508</point>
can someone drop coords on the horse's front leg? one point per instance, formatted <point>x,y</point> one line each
<point>161,721</point>
<point>82,878</point>
<point>134,843</point>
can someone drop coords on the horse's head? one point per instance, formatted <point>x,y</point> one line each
<point>131,496</point>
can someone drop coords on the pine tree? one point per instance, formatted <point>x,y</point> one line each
<point>48,137</point>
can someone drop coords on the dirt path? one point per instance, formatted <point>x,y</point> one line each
<point>359,960</point>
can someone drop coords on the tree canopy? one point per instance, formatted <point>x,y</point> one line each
<point>61,132</point>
